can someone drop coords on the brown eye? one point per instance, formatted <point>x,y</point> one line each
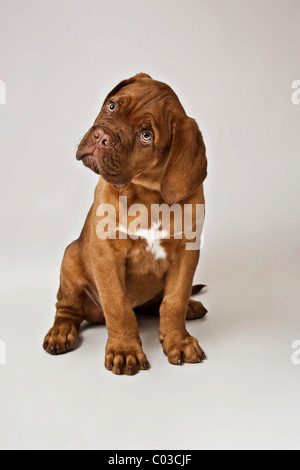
<point>146,137</point>
<point>111,106</point>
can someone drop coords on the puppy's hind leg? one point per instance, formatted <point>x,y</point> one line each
<point>70,305</point>
<point>195,310</point>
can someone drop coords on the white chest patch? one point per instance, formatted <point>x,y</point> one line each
<point>153,237</point>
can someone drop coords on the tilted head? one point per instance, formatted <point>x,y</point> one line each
<point>143,135</point>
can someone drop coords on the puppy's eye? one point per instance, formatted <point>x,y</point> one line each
<point>146,136</point>
<point>111,106</point>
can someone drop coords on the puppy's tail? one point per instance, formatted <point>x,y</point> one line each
<point>197,288</point>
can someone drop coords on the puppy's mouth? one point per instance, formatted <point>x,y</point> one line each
<point>108,168</point>
<point>90,162</point>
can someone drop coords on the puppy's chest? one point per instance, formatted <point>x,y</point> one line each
<point>148,251</point>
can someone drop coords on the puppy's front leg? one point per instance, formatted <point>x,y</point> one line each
<point>124,353</point>
<point>178,344</point>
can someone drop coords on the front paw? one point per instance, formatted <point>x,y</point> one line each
<point>125,357</point>
<point>61,338</point>
<point>180,350</point>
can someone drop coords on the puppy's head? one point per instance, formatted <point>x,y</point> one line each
<point>142,134</point>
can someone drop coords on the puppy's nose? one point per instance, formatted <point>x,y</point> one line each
<point>102,138</point>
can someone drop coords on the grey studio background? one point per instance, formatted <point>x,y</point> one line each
<point>233,65</point>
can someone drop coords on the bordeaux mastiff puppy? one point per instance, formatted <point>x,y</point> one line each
<point>149,152</point>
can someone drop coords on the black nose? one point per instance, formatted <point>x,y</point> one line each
<point>102,138</point>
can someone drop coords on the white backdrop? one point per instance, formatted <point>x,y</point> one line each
<point>232,64</point>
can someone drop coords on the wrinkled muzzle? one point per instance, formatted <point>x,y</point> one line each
<point>99,151</point>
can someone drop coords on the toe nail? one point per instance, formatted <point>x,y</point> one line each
<point>179,362</point>
<point>118,371</point>
<point>130,370</point>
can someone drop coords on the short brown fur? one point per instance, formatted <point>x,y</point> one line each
<point>102,281</point>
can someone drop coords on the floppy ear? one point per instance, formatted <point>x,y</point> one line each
<point>186,166</point>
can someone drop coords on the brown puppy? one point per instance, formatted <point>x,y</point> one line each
<point>149,152</point>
